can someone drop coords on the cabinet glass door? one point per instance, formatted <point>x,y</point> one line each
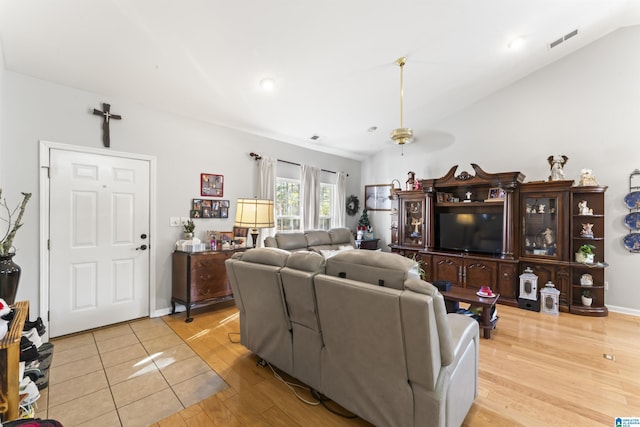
<point>540,226</point>
<point>413,222</point>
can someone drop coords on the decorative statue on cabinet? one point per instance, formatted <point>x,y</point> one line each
<point>410,181</point>
<point>557,163</point>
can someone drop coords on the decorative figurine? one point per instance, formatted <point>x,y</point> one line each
<point>587,179</point>
<point>549,238</point>
<point>587,230</point>
<point>541,208</point>
<point>557,163</point>
<point>410,181</point>
<point>416,222</point>
<point>586,280</point>
<point>584,209</point>
<point>468,194</point>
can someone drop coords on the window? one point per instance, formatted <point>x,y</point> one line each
<point>287,204</point>
<point>326,199</point>
<point>288,207</point>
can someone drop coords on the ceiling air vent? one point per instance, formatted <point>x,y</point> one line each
<point>563,38</point>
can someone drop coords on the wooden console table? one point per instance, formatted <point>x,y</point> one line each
<point>469,295</point>
<point>200,278</point>
<point>10,364</point>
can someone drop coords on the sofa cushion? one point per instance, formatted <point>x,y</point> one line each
<point>317,237</point>
<point>328,253</point>
<point>291,241</point>
<point>440,312</point>
<point>341,236</point>
<point>376,268</point>
<point>270,242</point>
<point>306,261</point>
<point>267,256</point>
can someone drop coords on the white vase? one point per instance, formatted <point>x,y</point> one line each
<point>586,301</point>
<point>584,258</point>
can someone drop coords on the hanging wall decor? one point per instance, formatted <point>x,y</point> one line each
<point>211,185</point>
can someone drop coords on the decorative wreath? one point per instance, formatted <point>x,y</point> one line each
<point>353,204</point>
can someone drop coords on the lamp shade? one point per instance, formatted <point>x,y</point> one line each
<point>254,213</point>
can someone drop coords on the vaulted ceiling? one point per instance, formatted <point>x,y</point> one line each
<point>332,61</point>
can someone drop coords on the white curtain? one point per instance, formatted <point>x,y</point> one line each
<point>338,216</point>
<point>310,196</point>
<point>267,190</point>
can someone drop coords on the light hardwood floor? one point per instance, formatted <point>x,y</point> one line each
<point>536,370</point>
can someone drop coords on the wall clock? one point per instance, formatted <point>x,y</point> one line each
<point>353,205</point>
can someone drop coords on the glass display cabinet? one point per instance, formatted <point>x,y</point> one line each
<point>413,209</point>
<point>543,221</point>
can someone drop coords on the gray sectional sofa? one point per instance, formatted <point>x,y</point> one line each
<point>361,328</point>
<point>312,240</point>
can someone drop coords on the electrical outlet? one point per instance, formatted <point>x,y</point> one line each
<point>606,286</point>
<point>174,221</point>
<point>184,220</point>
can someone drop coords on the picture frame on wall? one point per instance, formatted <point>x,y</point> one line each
<point>211,185</point>
<point>376,197</point>
<point>208,208</point>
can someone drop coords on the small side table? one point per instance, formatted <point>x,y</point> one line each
<point>370,244</point>
<point>469,295</point>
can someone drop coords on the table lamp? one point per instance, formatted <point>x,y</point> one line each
<point>254,214</point>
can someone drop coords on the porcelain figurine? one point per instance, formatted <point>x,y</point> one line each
<point>557,163</point>
<point>587,230</point>
<point>587,179</point>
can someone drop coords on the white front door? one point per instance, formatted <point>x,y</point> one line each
<point>99,239</point>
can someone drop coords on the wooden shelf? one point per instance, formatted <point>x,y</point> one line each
<point>10,363</point>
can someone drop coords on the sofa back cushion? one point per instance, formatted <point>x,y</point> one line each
<point>363,362</point>
<point>291,241</point>
<point>341,236</point>
<point>297,280</point>
<point>377,268</point>
<point>317,238</point>
<point>257,285</point>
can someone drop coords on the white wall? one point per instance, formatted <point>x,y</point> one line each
<point>2,136</point>
<point>586,106</point>
<point>37,110</point>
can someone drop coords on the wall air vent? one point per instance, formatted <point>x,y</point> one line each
<point>571,34</point>
<point>556,43</point>
<point>563,38</point>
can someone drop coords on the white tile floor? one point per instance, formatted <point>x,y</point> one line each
<point>131,374</point>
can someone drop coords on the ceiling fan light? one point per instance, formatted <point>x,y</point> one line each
<point>402,136</point>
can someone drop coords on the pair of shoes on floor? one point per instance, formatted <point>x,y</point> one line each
<point>37,325</point>
<point>29,388</point>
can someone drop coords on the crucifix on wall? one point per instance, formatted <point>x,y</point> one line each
<point>107,116</point>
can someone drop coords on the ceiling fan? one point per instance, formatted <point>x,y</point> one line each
<point>401,135</point>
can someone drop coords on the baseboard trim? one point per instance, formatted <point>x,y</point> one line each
<point>623,310</point>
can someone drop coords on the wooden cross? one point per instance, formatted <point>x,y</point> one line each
<point>105,124</point>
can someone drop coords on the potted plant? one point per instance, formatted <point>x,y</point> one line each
<point>10,271</point>
<point>586,298</point>
<point>189,226</point>
<point>585,254</point>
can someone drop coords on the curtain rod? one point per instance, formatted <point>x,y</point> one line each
<point>258,157</point>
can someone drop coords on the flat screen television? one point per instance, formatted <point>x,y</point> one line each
<point>469,232</point>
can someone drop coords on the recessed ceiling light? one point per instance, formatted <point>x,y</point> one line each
<point>516,43</point>
<point>267,84</point>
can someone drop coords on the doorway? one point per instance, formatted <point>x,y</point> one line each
<point>97,215</point>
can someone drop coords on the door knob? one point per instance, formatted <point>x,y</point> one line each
<point>142,248</point>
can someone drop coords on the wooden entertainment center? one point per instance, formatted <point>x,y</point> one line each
<point>486,229</point>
